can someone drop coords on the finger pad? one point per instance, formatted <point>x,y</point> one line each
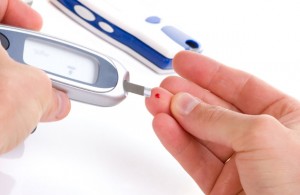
<point>159,101</point>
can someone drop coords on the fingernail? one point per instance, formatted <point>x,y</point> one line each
<point>185,103</point>
<point>62,104</point>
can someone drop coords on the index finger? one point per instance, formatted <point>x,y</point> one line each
<point>17,13</point>
<point>248,93</point>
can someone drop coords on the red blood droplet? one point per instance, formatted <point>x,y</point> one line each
<point>157,95</point>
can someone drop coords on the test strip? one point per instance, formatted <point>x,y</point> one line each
<point>136,89</point>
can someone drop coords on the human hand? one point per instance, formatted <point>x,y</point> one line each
<point>16,13</point>
<point>27,96</point>
<point>234,134</point>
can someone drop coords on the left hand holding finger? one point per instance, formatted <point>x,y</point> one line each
<point>263,146</point>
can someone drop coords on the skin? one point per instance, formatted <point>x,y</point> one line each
<point>232,132</point>
<point>27,96</point>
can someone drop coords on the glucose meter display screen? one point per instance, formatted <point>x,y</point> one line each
<point>60,60</point>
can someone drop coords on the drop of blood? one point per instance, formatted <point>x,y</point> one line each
<point>157,95</point>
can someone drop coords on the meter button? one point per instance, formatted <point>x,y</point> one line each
<point>153,20</point>
<point>106,27</point>
<point>84,13</point>
<point>4,41</point>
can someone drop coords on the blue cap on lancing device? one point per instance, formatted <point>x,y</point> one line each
<point>150,40</point>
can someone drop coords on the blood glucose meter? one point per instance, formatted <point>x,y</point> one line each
<point>85,75</point>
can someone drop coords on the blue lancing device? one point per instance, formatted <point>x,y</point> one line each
<point>149,40</point>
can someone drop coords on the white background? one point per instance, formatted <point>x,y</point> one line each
<point>114,150</point>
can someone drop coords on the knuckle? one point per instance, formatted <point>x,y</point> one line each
<point>212,113</point>
<point>23,86</point>
<point>262,128</point>
<point>40,75</point>
<point>38,82</point>
<point>263,123</point>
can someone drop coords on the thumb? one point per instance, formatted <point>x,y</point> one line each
<point>220,125</point>
<point>57,108</point>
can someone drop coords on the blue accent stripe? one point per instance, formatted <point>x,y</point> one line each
<point>123,37</point>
